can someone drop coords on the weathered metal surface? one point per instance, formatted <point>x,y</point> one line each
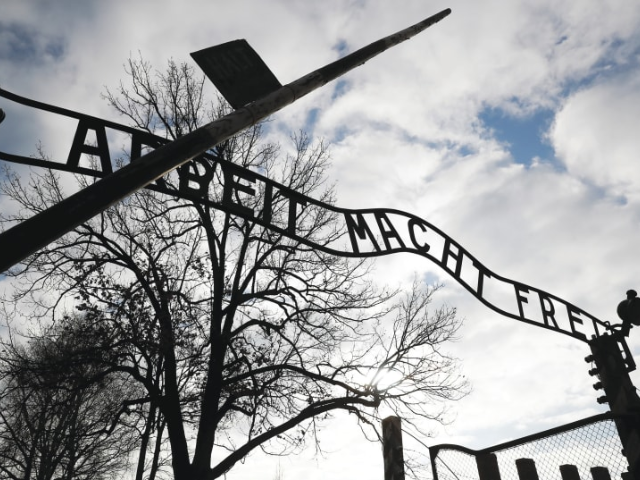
<point>237,71</point>
<point>29,236</point>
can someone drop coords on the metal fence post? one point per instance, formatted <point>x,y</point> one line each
<point>392,449</point>
<point>612,369</point>
<point>527,469</point>
<point>488,466</point>
<point>600,473</point>
<point>569,472</point>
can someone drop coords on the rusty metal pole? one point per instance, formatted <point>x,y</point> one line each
<point>38,231</point>
<point>392,451</point>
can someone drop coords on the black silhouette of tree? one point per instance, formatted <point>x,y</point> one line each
<point>58,419</point>
<point>241,337</point>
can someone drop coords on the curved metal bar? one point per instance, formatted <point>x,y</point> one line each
<point>548,301</point>
<point>372,232</point>
<point>68,113</point>
<point>396,230</point>
<point>433,450</point>
<point>38,231</point>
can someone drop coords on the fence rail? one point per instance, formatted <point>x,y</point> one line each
<point>588,448</point>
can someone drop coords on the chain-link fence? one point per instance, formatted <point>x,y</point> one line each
<point>589,443</point>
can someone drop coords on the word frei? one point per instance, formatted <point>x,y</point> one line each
<point>373,232</point>
<point>377,232</point>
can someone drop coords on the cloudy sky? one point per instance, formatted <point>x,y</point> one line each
<point>512,126</point>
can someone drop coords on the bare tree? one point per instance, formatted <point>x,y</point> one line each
<point>56,420</point>
<point>242,338</point>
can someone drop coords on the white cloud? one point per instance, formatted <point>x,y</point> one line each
<point>595,135</point>
<point>414,142</point>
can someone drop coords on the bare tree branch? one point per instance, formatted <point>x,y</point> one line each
<point>241,338</point>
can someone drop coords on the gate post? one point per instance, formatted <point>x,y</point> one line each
<point>600,473</point>
<point>612,370</point>
<point>488,466</point>
<point>527,469</point>
<point>392,449</point>
<point>569,472</point>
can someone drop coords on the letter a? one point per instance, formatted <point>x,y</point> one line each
<point>101,149</point>
<point>387,230</point>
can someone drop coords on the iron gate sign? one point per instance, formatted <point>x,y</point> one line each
<point>371,232</point>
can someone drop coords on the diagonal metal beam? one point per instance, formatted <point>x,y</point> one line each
<point>38,231</point>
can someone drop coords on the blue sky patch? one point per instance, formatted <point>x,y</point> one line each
<point>342,48</point>
<point>312,119</point>
<point>21,44</point>
<point>523,135</point>
<point>341,87</point>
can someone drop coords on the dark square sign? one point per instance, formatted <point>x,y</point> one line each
<point>237,71</point>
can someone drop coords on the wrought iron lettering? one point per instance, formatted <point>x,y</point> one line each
<point>369,232</point>
<point>101,149</point>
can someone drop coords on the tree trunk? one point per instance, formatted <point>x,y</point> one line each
<point>156,452</point>
<point>144,441</point>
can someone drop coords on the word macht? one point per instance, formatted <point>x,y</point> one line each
<point>214,181</point>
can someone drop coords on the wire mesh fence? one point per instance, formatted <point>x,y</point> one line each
<point>591,443</point>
